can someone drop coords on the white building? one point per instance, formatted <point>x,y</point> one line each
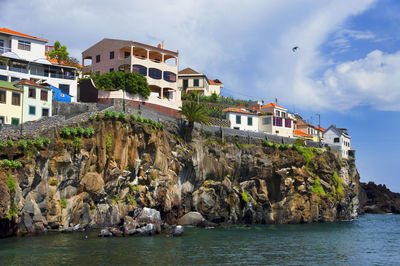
<point>339,141</point>
<point>241,119</point>
<point>24,57</point>
<point>274,119</point>
<point>190,80</point>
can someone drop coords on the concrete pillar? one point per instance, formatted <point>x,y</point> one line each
<point>131,57</point>
<point>162,93</point>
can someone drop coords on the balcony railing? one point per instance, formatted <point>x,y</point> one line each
<point>18,69</point>
<point>61,76</point>
<point>4,49</point>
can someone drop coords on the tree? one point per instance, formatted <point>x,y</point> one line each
<point>133,83</point>
<point>60,52</point>
<point>194,113</point>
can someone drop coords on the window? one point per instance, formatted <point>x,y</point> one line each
<point>278,113</point>
<point>111,70</point>
<point>278,121</point>
<point>64,88</point>
<point>32,93</point>
<point>155,73</point>
<point>139,69</point>
<point>16,98</point>
<point>195,82</point>
<point>2,120</point>
<point>169,76</point>
<point>15,121</point>
<point>22,45</point>
<point>2,96</point>
<point>127,54</point>
<point>336,140</point>
<point>185,84</point>
<point>4,78</point>
<point>249,121</point>
<point>266,120</point>
<point>32,110</point>
<point>43,95</point>
<point>238,119</point>
<point>283,114</point>
<point>45,112</point>
<point>14,79</point>
<point>1,44</point>
<point>288,123</point>
<point>97,58</point>
<point>111,55</point>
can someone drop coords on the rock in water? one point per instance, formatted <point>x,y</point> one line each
<point>150,216</point>
<point>105,233</point>
<point>129,226</point>
<point>191,218</point>
<point>178,231</point>
<point>149,229</point>
<point>116,232</point>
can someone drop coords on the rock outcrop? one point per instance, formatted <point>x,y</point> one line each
<point>127,167</point>
<point>378,199</point>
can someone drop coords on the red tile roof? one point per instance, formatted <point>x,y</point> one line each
<point>15,33</point>
<point>31,83</point>
<point>188,71</point>
<point>272,105</point>
<point>301,133</point>
<point>214,82</point>
<point>235,110</point>
<point>55,62</point>
<point>320,129</point>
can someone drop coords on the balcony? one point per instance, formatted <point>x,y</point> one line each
<point>4,50</point>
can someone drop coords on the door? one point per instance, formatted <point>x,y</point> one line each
<point>185,84</point>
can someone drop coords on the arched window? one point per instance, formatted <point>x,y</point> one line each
<point>169,76</point>
<point>155,73</point>
<point>139,69</point>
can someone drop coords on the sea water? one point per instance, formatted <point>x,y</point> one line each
<point>369,240</point>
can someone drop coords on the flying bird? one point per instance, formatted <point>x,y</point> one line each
<point>294,49</point>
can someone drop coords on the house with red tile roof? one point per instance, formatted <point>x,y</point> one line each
<point>276,120</point>
<point>241,119</point>
<point>23,56</point>
<point>190,80</point>
<point>339,140</point>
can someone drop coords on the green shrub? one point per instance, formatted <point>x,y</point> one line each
<point>29,142</point>
<point>285,146</point>
<point>80,131</point>
<point>10,143</point>
<point>140,119</point>
<point>114,115</point>
<point>134,118</point>
<point>12,212</point>
<point>139,113</point>
<point>65,132</point>
<point>108,143</point>
<point>107,115</point>
<point>299,142</point>
<point>132,201</point>
<point>22,145</point>
<point>39,142</point>
<point>11,183</point>
<point>92,117</point>
<point>133,188</point>
<point>245,197</point>
<point>77,143</point>
<point>267,143</point>
<point>63,203</point>
<point>7,164</point>
<point>317,188</point>
<point>1,144</point>
<point>122,116</point>
<point>74,131</point>
<point>98,117</point>
<point>47,141</point>
<point>89,132</point>
<point>338,184</point>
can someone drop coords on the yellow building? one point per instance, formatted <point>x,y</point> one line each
<point>10,104</point>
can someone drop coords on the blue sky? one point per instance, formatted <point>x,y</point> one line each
<point>347,68</point>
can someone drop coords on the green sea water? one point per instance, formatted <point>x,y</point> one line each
<point>369,240</point>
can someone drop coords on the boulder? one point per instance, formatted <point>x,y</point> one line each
<point>149,229</point>
<point>92,183</point>
<point>178,231</point>
<point>129,226</point>
<point>150,216</point>
<point>105,233</point>
<point>116,232</point>
<point>191,218</point>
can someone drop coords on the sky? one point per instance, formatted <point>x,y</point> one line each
<point>347,67</point>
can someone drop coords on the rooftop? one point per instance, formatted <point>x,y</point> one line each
<point>8,86</point>
<point>188,71</point>
<point>31,83</point>
<point>236,110</point>
<point>272,105</point>
<point>15,33</point>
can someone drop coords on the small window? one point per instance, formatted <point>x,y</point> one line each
<point>22,45</point>
<point>45,112</point>
<point>32,110</point>
<point>15,121</point>
<point>288,123</point>
<point>32,93</point>
<point>249,121</point>
<point>97,58</point>
<point>2,120</point>
<point>195,83</point>
<point>16,98</point>
<point>278,113</point>
<point>266,121</point>
<point>43,95</point>
<point>111,69</point>
<point>336,140</point>
<point>127,54</point>
<point>238,119</point>
<point>4,78</point>
<point>14,79</point>
<point>64,88</point>
<point>2,96</point>
<point>111,55</point>
<point>283,114</point>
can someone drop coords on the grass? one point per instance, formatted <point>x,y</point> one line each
<point>63,203</point>
<point>77,143</point>
<point>133,188</point>
<point>245,197</point>
<point>11,182</point>
<point>132,201</point>
<point>53,182</point>
<point>338,184</point>
<point>115,200</point>
<point>12,212</point>
<point>8,164</point>
<point>108,143</point>
<point>317,188</point>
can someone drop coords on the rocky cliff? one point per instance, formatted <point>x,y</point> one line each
<point>96,181</point>
<point>378,199</point>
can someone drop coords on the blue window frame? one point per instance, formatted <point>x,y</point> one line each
<point>155,73</point>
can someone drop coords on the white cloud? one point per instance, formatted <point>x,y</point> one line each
<point>248,46</point>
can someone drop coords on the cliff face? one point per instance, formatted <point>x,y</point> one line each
<point>129,165</point>
<point>378,199</point>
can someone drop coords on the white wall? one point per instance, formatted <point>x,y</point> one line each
<point>37,102</point>
<point>244,121</point>
<point>37,48</point>
<point>344,142</point>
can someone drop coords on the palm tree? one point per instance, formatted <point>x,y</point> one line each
<point>194,113</point>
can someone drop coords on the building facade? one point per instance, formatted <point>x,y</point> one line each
<point>158,65</point>
<point>190,80</point>
<point>11,103</point>
<point>241,119</point>
<point>339,140</point>
<point>274,119</point>
<point>24,57</point>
